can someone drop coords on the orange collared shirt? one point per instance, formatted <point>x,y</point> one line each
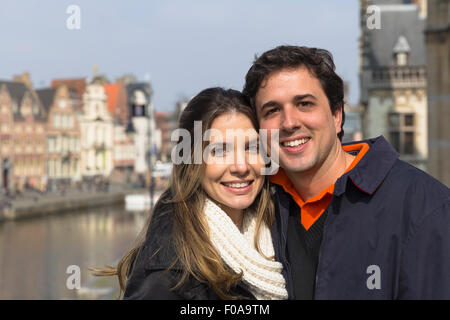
<point>312,208</point>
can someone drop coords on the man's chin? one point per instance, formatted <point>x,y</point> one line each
<point>295,168</point>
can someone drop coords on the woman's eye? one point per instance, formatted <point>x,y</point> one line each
<point>252,148</point>
<point>218,152</point>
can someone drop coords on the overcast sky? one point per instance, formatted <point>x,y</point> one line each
<point>182,47</point>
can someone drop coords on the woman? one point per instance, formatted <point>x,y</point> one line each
<point>209,236</point>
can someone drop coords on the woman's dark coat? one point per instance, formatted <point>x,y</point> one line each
<point>150,277</point>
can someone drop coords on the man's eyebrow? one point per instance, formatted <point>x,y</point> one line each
<point>269,104</point>
<point>273,103</point>
<point>304,96</point>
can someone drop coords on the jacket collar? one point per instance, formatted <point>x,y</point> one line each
<point>371,170</point>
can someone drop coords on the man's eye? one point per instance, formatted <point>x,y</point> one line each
<point>270,111</point>
<point>305,104</point>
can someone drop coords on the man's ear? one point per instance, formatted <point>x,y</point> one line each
<point>337,118</point>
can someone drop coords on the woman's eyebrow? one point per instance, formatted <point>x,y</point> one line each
<point>252,141</point>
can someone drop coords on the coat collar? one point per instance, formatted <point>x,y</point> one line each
<point>372,169</point>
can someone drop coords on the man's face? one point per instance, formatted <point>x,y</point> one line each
<point>293,101</point>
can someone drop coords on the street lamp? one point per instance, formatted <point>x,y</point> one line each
<point>130,132</point>
<point>151,154</point>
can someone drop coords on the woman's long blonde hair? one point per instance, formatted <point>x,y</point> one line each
<point>194,250</point>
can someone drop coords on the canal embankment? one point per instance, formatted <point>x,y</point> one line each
<point>33,205</point>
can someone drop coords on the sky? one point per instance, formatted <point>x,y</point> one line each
<point>181,47</point>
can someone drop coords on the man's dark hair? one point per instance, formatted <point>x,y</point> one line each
<point>319,63</point>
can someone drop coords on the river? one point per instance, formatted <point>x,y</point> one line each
<point>35,253</point>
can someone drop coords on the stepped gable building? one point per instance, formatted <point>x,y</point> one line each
<point>63,157</point>
<point>76,87</point>
<point>22,136</point>
<point>393,77</point>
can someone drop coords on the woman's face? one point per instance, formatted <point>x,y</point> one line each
<point>233,165</point>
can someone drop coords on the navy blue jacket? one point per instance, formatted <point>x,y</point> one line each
<point>386,236</point>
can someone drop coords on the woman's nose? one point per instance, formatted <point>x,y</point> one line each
<point>240,164</point>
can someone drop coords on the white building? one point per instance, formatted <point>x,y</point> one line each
<point>96,132</point>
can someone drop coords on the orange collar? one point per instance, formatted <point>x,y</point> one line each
<point>312,208</point>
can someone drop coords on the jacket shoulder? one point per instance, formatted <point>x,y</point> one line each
<point>418,183</point>
<point>414,194</point>
<point>158,250</point>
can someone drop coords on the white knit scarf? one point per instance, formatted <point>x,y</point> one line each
<point>262,276</point>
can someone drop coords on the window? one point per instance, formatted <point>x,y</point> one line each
<point>401,132</point>
<point>56,120</point>
<point>35,109</point>
<point>138,110</point>
<point>15,106</point>
<point>51,144</point>
<point>75,171</point>
<point>70,121</point>
<point>402,59</point>
<point>48,168</point>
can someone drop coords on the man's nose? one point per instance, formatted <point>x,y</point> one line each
<point>290,119</point>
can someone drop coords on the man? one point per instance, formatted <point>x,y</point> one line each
<point>353,221</point>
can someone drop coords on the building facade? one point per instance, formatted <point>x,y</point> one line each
<point>164,127</point>
<point>63,152</point>
<point>22,133</point>
<point>96,126</point>
<point>437,35</point>
<point>393,78</point>
<point>123,144</point>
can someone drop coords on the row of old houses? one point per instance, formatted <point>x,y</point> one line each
<point>75,130</point>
